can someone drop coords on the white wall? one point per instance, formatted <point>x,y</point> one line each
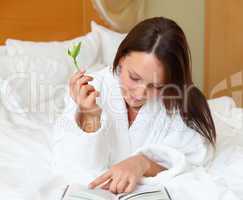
<point>189,14</point>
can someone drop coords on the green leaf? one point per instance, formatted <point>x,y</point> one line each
<point>76,50</point>
<point>73,52</point>
<point>69,53</point>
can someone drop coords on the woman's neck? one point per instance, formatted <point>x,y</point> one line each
<point>132,114</point>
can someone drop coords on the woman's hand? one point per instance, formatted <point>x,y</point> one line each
<point>84,95</point>
<point>123,176</point>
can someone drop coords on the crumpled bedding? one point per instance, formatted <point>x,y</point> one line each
<point>26,168</point>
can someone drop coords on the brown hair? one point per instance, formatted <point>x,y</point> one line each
<point>167,41</point>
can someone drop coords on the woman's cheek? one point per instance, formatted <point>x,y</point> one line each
<point>128,86</point>
<point>132,85</point>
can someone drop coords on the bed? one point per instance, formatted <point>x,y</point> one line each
<point>33,85</point>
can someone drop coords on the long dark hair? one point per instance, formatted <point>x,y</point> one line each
<point>167,41</point>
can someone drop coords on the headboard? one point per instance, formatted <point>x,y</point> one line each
<point>46,20</point>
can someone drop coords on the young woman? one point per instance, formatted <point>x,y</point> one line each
<point>140,121</point>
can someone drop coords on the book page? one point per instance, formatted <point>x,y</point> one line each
<point>143,192</point>
<point>79,192</point>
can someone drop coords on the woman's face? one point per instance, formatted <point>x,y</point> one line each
<point>141,76</point>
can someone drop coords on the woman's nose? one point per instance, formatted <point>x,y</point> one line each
<point>141,92</point>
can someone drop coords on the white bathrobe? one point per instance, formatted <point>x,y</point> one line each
<point>166,140</point>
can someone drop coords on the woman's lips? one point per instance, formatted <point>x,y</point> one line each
<point>135,99</point>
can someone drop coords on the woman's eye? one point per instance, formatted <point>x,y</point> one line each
<point>158,88</point>
<point>134,79</point>
<point>155,87</point>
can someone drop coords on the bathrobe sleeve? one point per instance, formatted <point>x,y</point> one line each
<point>178,148</point>
<point>76,151</point>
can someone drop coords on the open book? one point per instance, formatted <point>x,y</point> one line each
<point>78,192</point>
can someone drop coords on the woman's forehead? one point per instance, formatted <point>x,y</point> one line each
<point>145,65</point>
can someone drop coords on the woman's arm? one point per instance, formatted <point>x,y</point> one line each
<point>179,149</point>
<point>88,122</point>
<point>153,169</point>
<point>80,143</point>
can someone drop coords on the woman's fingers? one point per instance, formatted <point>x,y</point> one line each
<point>91,99</point>
<point>79,84</point>
<point>113,185</point>
<point>84,80</point>
<point>121,186</point>
<point>101,179</point>
<point>131,186</point>
<point>85,90</point>
<point>106,185</point>
<point>87,98</point>
<point>73,81</point>
<point>75,77</point>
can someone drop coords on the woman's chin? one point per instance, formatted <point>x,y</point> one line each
<point>134,104</point>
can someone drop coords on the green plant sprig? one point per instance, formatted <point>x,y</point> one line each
<point>73,53</point>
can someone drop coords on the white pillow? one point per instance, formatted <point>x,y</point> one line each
<point>222,104</point>
<point>221,107</point>
<point>110,42</point>
<point>3,50</point>
<point>38,83</point>
<point>89,52</point>
<point>228,121</point>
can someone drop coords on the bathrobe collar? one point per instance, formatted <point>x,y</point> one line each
<point>150,109</point>
<point>144,120</point>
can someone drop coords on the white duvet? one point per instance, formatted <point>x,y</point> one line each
<point>26,137</point>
